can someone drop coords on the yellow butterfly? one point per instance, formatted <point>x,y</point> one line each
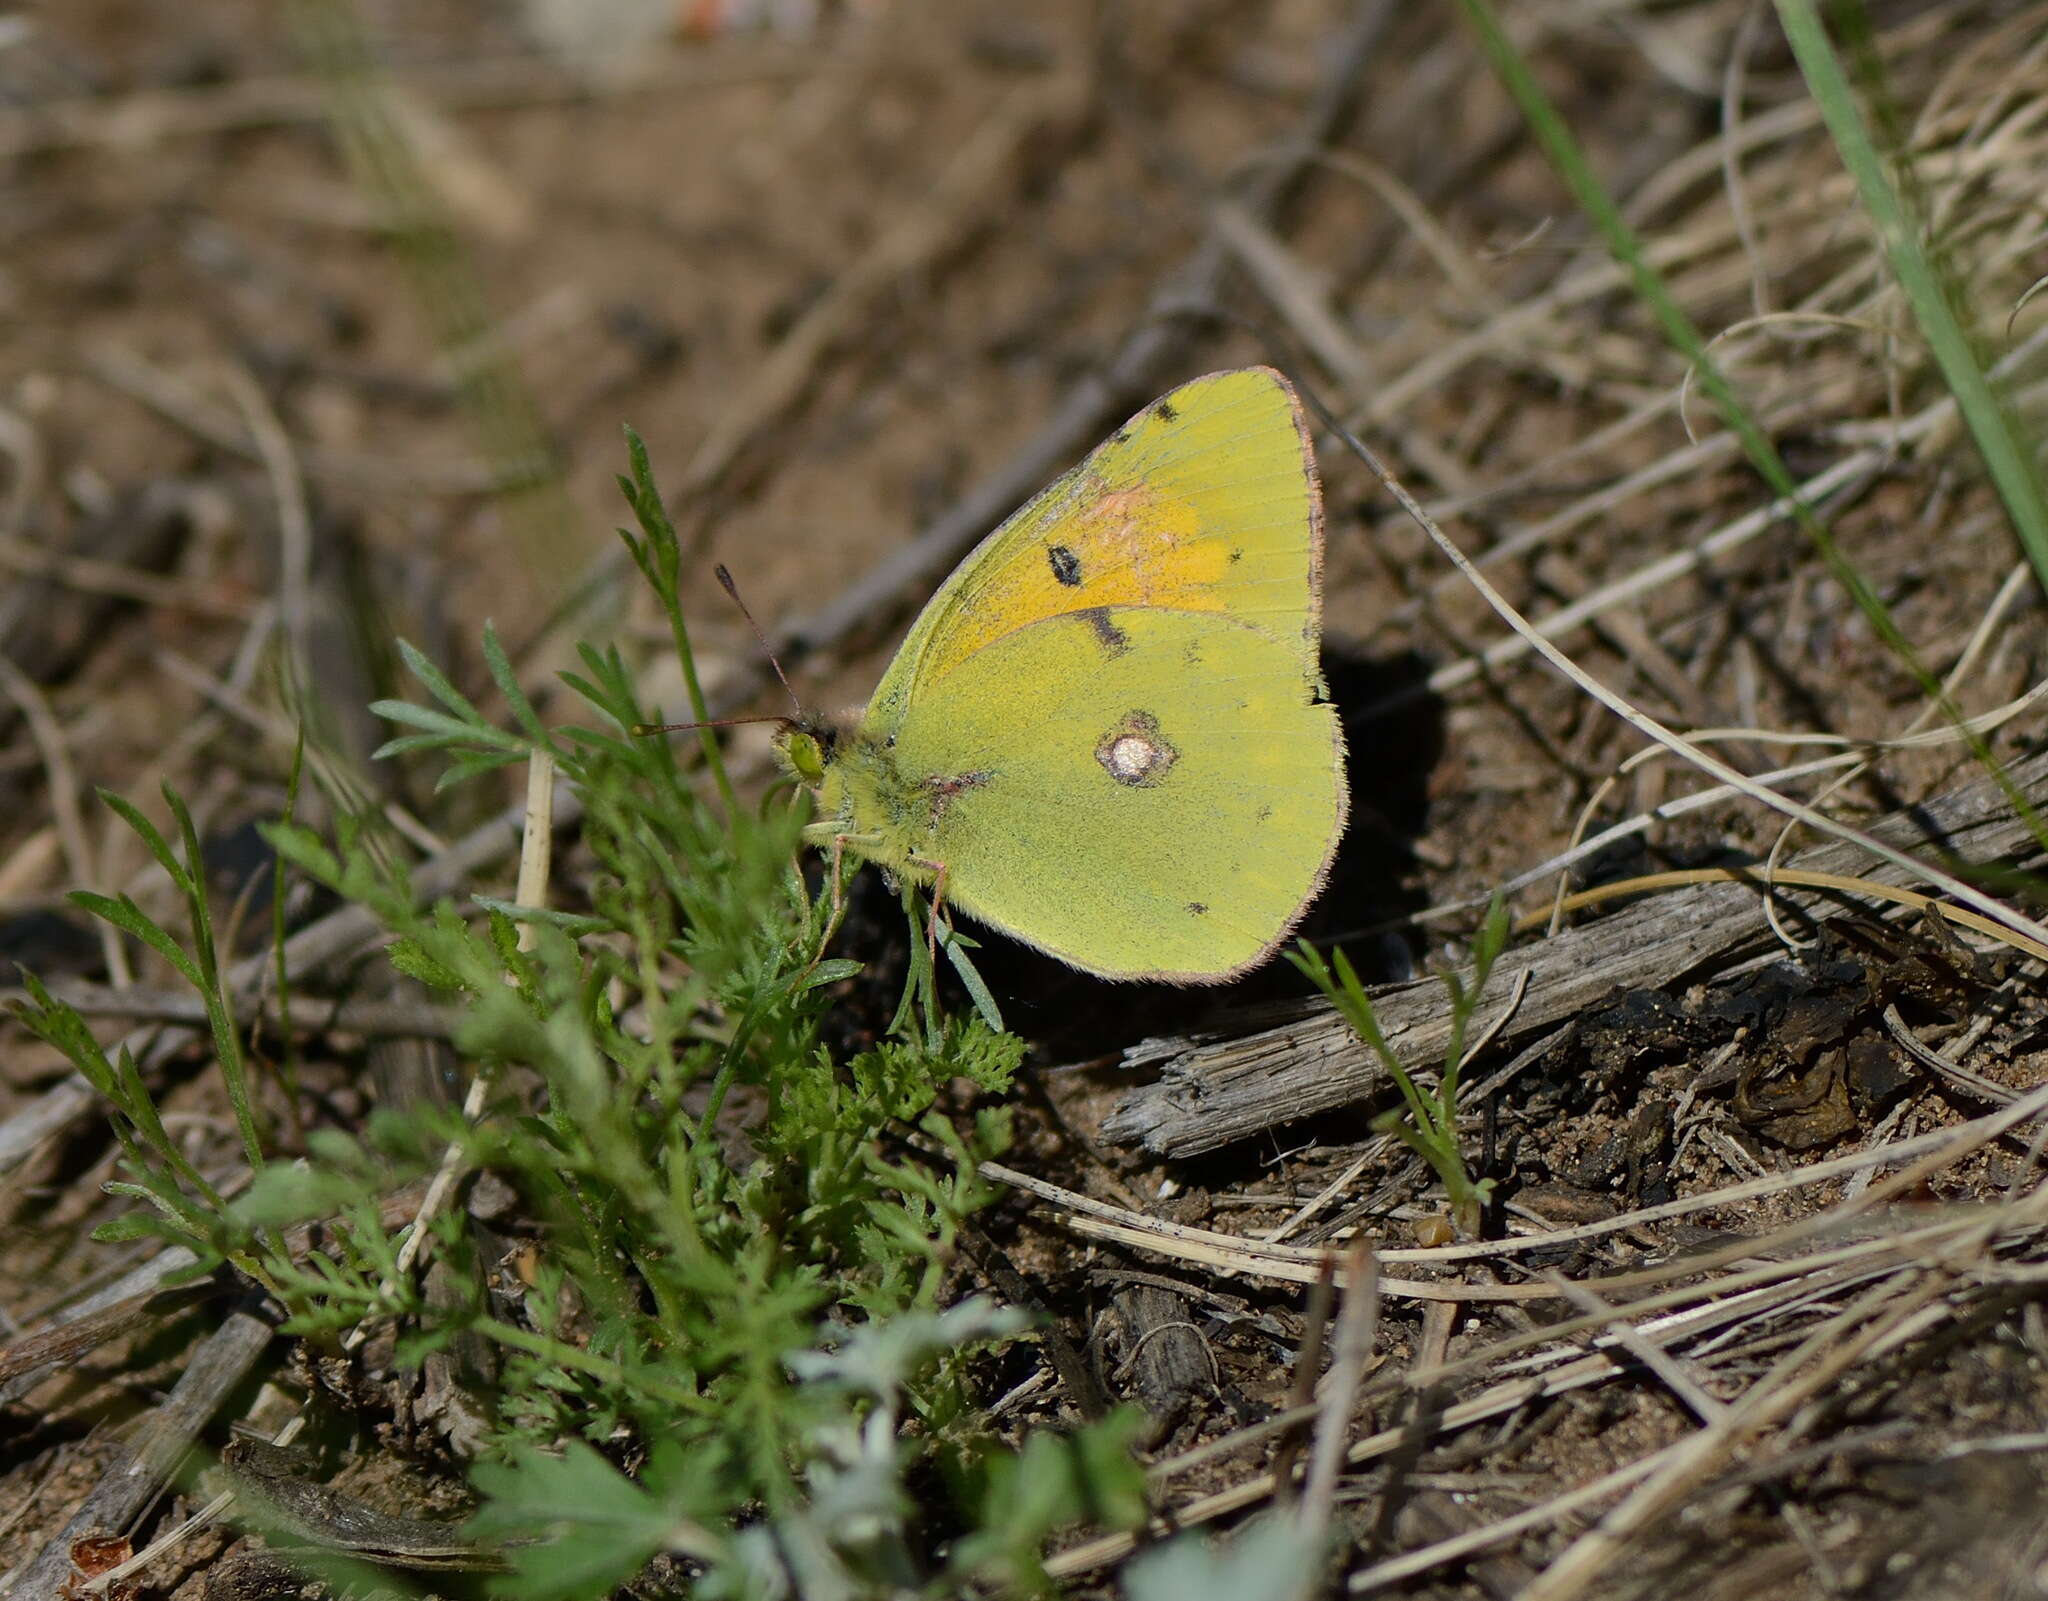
<point>1105,735</point>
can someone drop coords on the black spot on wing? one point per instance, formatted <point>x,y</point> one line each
<point>1113,640</point>
<point>1066,566</point>
<point>1197,909</point>
<point>1165,413</point>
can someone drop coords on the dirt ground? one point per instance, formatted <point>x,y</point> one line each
<point>841,276</point>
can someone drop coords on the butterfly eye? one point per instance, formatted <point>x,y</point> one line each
<point>801,754</point>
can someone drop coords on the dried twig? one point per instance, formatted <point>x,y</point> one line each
<point>217,1367</point>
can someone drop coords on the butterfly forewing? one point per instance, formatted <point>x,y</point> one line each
<point>1206,501</point>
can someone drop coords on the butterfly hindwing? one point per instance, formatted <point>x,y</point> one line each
<point>1162,803</point>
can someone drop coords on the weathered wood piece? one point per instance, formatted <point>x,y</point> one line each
<point>69,1341</point>
<point>220,1364</point>
<point>1212,1090</point>
<point>1167,1363</point>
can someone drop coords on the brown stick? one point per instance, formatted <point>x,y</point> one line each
<point>216,1368</point>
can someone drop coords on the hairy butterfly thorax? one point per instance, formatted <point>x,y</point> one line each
<point>864,802</point>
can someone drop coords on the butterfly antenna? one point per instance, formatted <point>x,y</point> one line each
<point>639,730</point>
<point>725,582</point>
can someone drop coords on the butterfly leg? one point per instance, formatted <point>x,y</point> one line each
<point>837,914</point>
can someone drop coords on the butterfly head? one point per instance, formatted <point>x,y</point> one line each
<point>815,751</point>
<point>806,746</point>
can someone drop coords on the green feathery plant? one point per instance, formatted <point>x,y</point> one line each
<point>1430,1127</point>
<point>730,1340</point>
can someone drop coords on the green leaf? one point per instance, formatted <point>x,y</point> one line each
<point>291,1192</point>
<point>441,730</point>
<point>1936,301</point>
<point>404,711</point>
<point>507,680</point>
<point>882,1358</point>
<point>1268,1561</point>
<point>1055,1481</point>
<point>123,1230</point>
<point>474,764</point>
<point>304,849</point>
<point>574,924</point>
<point>956,945</point>
<point>60,1025</point>
<point>436,684</point>
<point>608,687</point>
<point>125,915</point>
<point>600,1527</point>
<point>159,847</point>
<point>415,961</point>
<point>987,1057</point>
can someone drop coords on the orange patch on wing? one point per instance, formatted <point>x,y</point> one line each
<point>1147,550</point>
<point>1124,547</point>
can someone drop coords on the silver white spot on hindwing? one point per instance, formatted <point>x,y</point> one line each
<point>1135,753</point>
